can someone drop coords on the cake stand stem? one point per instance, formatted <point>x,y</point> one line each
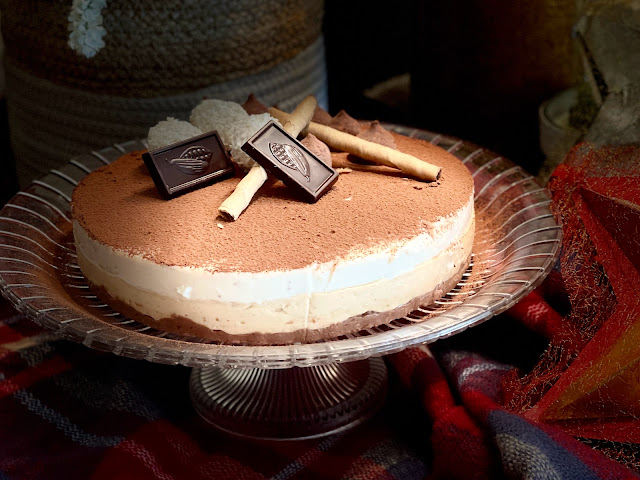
<point>289,404</point>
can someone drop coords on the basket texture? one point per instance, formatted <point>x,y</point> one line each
<point>83,74</point>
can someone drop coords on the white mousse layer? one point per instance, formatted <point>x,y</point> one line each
<point>317,296</point>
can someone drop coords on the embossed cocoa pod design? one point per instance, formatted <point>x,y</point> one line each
<point>193,161</point>
<point>291,157</point>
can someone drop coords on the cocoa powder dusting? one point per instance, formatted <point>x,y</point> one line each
<point>371,207</point>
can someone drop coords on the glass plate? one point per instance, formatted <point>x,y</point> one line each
<point>517,241</point>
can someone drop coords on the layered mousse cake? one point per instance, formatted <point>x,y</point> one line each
<point>374,247</point>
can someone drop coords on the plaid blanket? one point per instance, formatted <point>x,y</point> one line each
<point>70,412</point>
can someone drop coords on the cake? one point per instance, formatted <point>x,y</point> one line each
<point>377,245</point>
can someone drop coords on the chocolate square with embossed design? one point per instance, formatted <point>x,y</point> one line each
<point>288,160</point>
<point>190,164</point>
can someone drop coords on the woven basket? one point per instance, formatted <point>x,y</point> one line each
<point>84,74</point>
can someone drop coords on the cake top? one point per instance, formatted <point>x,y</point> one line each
<point>369,208</point>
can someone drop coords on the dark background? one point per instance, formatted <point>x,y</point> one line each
<point>478,69</point>
<point>474,69</point>
<point>8,181</point>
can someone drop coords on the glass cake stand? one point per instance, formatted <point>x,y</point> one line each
<point>258,391</point>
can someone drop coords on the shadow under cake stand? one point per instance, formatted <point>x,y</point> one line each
<point>260,391</point>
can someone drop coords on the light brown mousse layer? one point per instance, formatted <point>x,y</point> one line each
<point>370,207</point>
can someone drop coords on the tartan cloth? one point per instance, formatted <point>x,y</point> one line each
<point>70,412</point>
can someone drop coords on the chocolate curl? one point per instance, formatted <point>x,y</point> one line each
<point>239,200</point>
<point>379,154</point>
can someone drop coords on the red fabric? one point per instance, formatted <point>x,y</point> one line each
<point>160,451</point>
<point>465,436</point>
<point>29,377</point>
<point>585,378</point>
<point>454,433</point>
<point>537,315</point>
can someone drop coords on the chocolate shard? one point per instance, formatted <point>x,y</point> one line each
<point>253,106</point>
<point>318,148</point>
<point>187,165</point>
<point>345,123</point>
<point>321,116</point>
<point>288,160</point>
<point>376,133</point>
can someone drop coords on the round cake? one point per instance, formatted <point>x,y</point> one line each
<point>376,246</point>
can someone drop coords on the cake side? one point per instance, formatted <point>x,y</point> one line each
<point>314,298</point>
<point>186,326</point>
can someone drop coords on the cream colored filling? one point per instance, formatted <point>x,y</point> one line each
<point>303,300</point>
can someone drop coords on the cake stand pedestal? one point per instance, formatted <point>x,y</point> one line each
<point>289,404</point>
<point>279,391</point>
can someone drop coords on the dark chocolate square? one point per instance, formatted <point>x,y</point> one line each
<point>185,166</point>
<point>288,160</point>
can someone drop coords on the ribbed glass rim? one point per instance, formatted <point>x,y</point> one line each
<point>39,276</point>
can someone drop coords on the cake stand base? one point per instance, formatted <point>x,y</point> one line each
<point>289,404</point>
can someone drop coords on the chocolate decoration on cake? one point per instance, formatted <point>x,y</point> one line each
<point>291,157</point>
<point>187,165</point>
<point>288,160</point>
<point>193,161</point>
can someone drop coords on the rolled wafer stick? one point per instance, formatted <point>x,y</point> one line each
<point>236,203</point>
<point>374,152</point>
<point>301,116</point>
<point>239,200</point>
